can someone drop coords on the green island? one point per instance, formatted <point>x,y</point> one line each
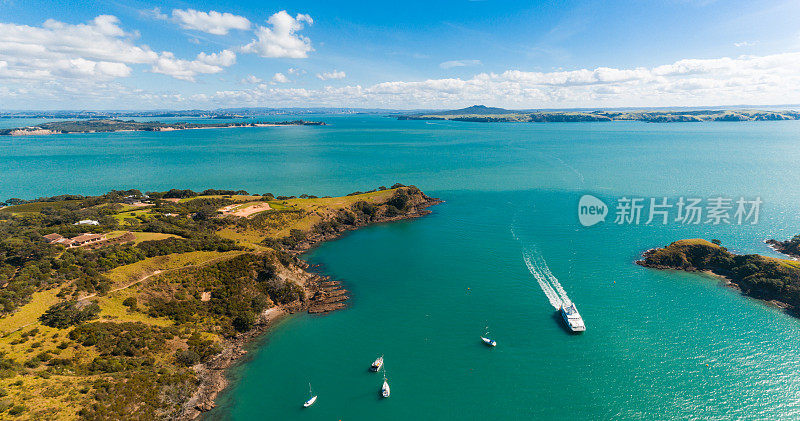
<point>766,278</point>
<point>130,306</point>
<point>116,125</point>
<point>484,114</point>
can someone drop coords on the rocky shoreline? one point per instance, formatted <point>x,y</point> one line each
<point>322,295</point>
<point>678,256</point>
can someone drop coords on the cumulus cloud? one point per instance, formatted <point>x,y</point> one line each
<point>98,50</point>
<point>771,79</point>
<point>459,63</point>
<point>187,69</point>
<point>252,79</point>
<point>281,38</point>
<point>745,44</point>
<point>280,78</point>
<point>212,22</point>
<point>336,74</point>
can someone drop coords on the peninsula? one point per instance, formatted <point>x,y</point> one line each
<point>131,305</point>
<point>113,125</point>
<point>766,278</point>
<point>483,114</point>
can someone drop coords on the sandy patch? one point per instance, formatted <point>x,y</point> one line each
<point>245,211</point>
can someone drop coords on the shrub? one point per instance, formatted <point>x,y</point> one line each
<point>69,313</point>
<point>244,321</point>
<point>129,302</point>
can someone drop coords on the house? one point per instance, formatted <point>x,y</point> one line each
<point>58,239</point>
<point>85,239</point>
<point>87,222</point>
<point>53,238</point>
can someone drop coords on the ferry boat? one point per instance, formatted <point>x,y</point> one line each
<point>572,318</point>
<point>377,365</point>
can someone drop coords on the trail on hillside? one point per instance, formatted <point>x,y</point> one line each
<point>537,266</point>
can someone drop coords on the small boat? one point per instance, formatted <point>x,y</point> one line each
<point>312,399</point>
<point>377,365</point>
<point>572,318</point>
<point>385,391</point>
<point>485,338</point>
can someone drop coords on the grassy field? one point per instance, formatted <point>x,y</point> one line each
<point>37,390</point>
<point>37,206</point>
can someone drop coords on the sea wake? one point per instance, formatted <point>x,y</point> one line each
<point>537,266</point>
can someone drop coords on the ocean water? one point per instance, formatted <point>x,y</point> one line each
<point>658,345</point>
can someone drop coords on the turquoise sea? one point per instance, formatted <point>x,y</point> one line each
<point>658,345</point>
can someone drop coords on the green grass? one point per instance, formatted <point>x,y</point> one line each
<point>37,206</point>
<point>237,198</point>
<point>29,313</point>
<point>140,214</point>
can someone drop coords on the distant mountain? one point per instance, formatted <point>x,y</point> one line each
<point>478,110</point>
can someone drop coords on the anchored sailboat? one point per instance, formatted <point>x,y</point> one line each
<point>312,399</point>
<point>377,365</point>
<point>385,391</point>
<point>485,338</point>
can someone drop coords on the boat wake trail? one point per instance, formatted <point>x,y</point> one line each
<point>537,266</point>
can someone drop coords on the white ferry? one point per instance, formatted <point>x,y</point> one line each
<point>572,318</point>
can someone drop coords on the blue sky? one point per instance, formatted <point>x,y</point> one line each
<point>139,54</point>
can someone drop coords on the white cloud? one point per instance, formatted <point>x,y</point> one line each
<point>336,74</point>
<point>187,70</point>
<point>97,51</point>
<point>252,79</point>
<point>294,71</point>
<point>154,13</point>
<point>459,63</point>
<point>280,78</point>
<point>745,44</point>
<point>282,39</point>
<point>212,22</point>
<point>771,79</point>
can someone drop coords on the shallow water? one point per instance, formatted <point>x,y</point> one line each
<point>659,345</point>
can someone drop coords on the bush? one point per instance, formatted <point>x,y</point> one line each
<point>129,302</point>
<point>69,313</point>
<point>244,321</point>
<point>187,357</point>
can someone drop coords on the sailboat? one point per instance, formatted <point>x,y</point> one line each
<point>385,391</point>
<point>312,399</point>
<point>377,365</point>
<point>486,340</point>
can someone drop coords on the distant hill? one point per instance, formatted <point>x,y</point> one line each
<point>477,110</point>
<point>483,114</point>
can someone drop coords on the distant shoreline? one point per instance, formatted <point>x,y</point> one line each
<point>483,114</point>
<point>112,126</point>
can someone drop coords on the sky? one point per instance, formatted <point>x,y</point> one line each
<point>135,54</point>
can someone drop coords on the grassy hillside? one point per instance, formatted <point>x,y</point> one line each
<point>118,332</point>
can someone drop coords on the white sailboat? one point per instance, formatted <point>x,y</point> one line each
<point>385,391</point>
<point>377,365</point>
<point>485,338</point>
<point>312,399</point>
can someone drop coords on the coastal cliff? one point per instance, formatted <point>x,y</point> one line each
<point>773,280</point>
